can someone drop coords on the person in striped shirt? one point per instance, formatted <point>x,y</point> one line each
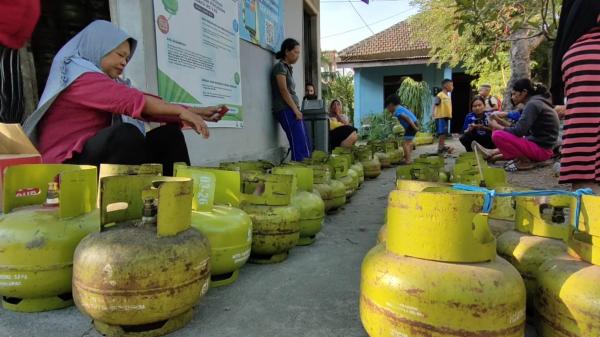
<point>576,82</point>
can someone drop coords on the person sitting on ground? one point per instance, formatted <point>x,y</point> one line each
<point>491,103</point>
<point>341,133</point>
<point>476,126</point>
<point>80,117</point>
<point>532,140</point>
<point>309,92</point>
<point>408,120</point>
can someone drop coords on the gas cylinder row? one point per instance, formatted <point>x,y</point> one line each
<point>434,271</point>
<point>136,251</point>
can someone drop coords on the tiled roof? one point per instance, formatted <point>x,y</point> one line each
<point>393,44</point>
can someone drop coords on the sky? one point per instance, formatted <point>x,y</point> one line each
<point>338,17</point>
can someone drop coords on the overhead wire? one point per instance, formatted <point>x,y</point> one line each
<point>362,27</point>
<point>361,18</point>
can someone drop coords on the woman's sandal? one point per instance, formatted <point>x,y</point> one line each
<point>447,150</point>
<point>514,166</point>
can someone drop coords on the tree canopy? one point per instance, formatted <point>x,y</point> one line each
<point>493,39</point>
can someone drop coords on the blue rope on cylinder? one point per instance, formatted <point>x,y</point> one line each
<point>489,196</point>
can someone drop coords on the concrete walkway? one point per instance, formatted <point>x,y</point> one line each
<point>312,294</point>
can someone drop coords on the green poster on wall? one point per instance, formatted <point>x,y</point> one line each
<point>198,54</point>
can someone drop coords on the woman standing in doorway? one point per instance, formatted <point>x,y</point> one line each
<point>286,105</point>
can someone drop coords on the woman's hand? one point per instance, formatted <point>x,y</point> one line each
<point>210,113</point>
<point>495,125</point>
<point>298,114</point>
<point>561,110</point>
<point>194,121</point>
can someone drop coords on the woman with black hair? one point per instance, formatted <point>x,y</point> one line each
<point>286,105</point>
<point>532,139</point>
<point>576,77</point>
<point>341,133</point>
<point>476,126</point>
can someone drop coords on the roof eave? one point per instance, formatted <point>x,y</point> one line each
<point>383,63</point>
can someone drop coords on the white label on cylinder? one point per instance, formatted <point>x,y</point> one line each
<point>11,284</point>
<point>241,257</point>
<point>13,277</point>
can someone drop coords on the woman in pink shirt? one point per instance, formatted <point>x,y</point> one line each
<point>89,115</point>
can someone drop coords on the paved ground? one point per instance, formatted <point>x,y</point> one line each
<point>314,293</point>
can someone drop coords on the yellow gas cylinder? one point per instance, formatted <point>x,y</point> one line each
<point>470,174</point>
<point>542,223</point>
<point>434,160</point>
<point>147,268</point>
<point>250,165</point>
<point>355,165</point>
<point>548,216</point>
<point>340,166</point>
<point>438,164</point>
<point>467,173</point>
<point>47,209</point>
<point>568,296</point>
<point>370,163</point>
<point>310,204</point>
<point>504,208</point>
<point>584,240</point>
<point>398,131</point>
<point>275,223</point>
<point>333,192</point>
<point>417,171</point>
<point>360,172</point>
<point>393,149</point>
<point>378,148</point>
<point>466,158</point>
<point>502,215</point>
<point>215,214</point>
<point>111,170</point>
<point>438,274</point>
<point>407,185</point>
<point>342,173</point>
<point>354,175</point>
<point>423,138</point>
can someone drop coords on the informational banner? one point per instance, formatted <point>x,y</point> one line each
<point>261,23</point>
<point>198,52</point>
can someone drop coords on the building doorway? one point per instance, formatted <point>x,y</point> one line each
<point>461,100</point>
<point>391,84</point>
<point>310,49</point>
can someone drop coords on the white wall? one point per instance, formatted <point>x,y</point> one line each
<point>261,137</point>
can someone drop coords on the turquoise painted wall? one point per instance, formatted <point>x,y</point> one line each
<point>368,85</point>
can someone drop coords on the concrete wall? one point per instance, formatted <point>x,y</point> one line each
<point>368,84</point>
<point>261,136</point>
